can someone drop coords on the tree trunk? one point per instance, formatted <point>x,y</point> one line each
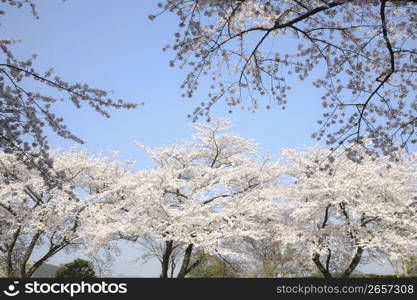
<point>9,256</point>
<point>165,259</point>
<point>28,253</point>
<point>186,262</point>
<point>354,263</point>
<point>352,266</point>
<point>322,269</point>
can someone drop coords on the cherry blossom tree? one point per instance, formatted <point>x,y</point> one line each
<point>200,195</point>
<point>340,211</point>
<point>26,113</point>
<point>37,217</point>
<point>362,54</point>
<point>214,194</point>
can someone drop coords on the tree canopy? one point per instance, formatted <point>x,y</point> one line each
<point>25,115</point>
<point>361,54</point>
<point>217,193</point>
<point>37,217</point>
<point>79,269</point>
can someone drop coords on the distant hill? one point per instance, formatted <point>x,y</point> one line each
<point>45,270</point>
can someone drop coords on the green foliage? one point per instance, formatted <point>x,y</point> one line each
<point>215,267</point>
<point>79,268</point>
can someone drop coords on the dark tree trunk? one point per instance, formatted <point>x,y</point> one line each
<point>186,262</point>
<point>319,265</point>
<point>165,259</point>
<point>354,263</point>
<point>9,256</point>
<point>352,266</point>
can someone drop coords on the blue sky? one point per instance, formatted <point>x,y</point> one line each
<point>112,44</point>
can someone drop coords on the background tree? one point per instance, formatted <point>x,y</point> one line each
<point>14,259</point>
<point>341,210</point>
<point>169,254</point>
<point>362,54</point>
<point>200,195</point>
<point>266,259</point>
<point>79,268</point>
<point>50,219</point>
<point>404,266</point>
<point>213,266</point>
<point>258,259</point>
<point>103,260</point>
<point>410,266</point>
<point>26,113</point>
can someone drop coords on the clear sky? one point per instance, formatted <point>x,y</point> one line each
<point>111,44</point>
